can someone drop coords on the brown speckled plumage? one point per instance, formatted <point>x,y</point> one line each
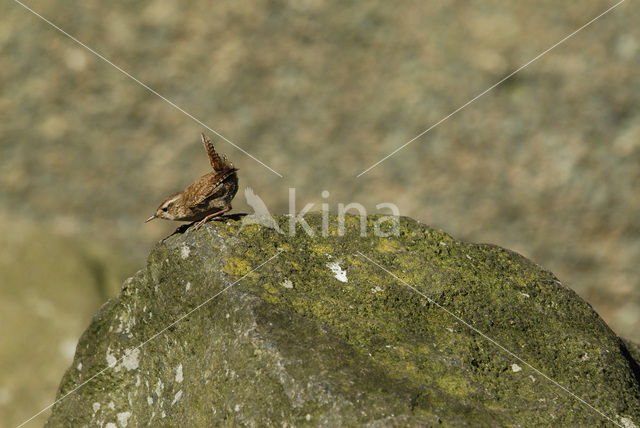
<point>206,198</point>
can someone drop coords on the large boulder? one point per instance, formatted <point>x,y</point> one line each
<point>240,325</point>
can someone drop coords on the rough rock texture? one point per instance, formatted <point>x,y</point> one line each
<point>319,335</point>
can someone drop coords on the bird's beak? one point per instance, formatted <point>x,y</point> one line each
<point>150,218</point>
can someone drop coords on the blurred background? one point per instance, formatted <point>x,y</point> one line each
<point>547,164</point>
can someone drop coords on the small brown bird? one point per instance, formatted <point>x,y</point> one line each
<point>206,198</point>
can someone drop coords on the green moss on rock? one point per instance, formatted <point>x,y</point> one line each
<point>321,336</point>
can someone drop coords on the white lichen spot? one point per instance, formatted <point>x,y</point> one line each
<point>123,418</point>
<point>468,256</point>
<point>150,400</point>
<point>164,415</point>
<point>138,381</point>
<point>176,397</point>
<point>111,359</point>
<point>179,373</point>
<point>585,357</point>
<point>111,425</point>
<point>227,316</point>
<point>338,272</point>
<point>525,294</point>
<point>184,251</point>
<point>287,283</point>
<point>187,287</point>
<point>533,379</point>
<point>627,422</point>
<point>308,417</point>
<point>130,360</point>
<point>376,289</point>
<point>236,408</point>
<point>79,367</point>
<point>112,406</point>
<point>515,368</point>
<point>96,407</point>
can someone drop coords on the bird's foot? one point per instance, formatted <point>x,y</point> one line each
<point>199,224</point>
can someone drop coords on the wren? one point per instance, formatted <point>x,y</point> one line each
<point>206,198</point>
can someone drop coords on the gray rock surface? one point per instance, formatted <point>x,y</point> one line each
<point>277,330</point>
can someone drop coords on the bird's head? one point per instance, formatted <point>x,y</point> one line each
<point>169,209</point>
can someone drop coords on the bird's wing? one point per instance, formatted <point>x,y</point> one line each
<point>219,163</point>
<point>208,188</point>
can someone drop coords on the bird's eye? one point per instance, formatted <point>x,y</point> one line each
<point>164,209</point>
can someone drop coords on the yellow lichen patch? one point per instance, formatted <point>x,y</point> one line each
<point>454,385</point>
<point>299,305</point>
<point>333,230</point>
<point>294,265</point>
<point>251,228</point>
<point>368,276</point>
<point>271,298</point>
<point>322,249</point>
<point>400,369</point>
<point>357,260</point>
<point>327,310</point>
<point>423,349</point>
<point>388,246</point>
<point>236,266</point>
<point>270,288</point>
<point>286,247</point>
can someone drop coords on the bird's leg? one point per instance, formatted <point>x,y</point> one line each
<point>199,224</point>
